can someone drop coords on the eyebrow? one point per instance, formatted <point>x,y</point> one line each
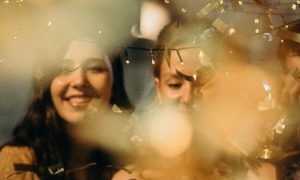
<point>170,75</point>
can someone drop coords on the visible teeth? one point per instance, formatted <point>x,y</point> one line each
<point>79,99</point>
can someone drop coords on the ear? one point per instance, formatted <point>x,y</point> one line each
<point>157,87</point>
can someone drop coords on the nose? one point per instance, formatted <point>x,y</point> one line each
<point>186,93</point>
<point>78,78</point>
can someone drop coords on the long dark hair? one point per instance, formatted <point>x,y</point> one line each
<point>43,129</point>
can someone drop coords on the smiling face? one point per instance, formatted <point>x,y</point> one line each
<point>85,78</point>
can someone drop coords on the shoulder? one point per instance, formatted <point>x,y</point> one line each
<point>23,154</point>
<point>10,156</point>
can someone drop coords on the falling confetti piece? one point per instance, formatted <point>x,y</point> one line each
<point>268,36</point>
<point>49,23</point>
<point>153,61</point>
<point>281,40</point>
<point>167,1</point>
<point>231,31</point>
<point>116,109</point>
<point>298,1</point>
<point>195,76</point>
<point>183,10</point>
<point>286,26</point>
<point>207,9</point>
<point>294,7</point>
<point>256,31</point>
<point>240,3</point>
<point>201,54</point>
<point>221,2</point>
<point>99,32</point>
<point>256,21</point>
<point>127,61</point>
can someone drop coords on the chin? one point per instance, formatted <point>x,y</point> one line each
<point>74,119</point>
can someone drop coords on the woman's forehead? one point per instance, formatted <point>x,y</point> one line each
<point>83,49</point>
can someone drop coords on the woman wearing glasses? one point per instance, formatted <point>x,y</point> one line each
<point>74,78</point>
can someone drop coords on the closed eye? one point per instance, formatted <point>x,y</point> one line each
<point>95,65</point>
<point>96,69</point>
<point>175,85</point>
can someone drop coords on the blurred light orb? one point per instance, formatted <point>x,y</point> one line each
<point>170,133</point>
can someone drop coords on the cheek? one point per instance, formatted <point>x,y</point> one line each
<point>57,87</point>
<point>103,85</point>
<point>293,62</point>
<point>169,93</point>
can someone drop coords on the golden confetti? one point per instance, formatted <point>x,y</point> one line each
<point>281,40</point>
<point>220,25</point>
<point>268,36</point>
<point>207,9</point>
<point>167,1</point>
<point>6,1</point>
<point>153,61</point>
<point>136,139</point>
<point>49,23</point>
<point>183,10</point>
<point>240,3</point>
<point>256,21</point>
<point>294,7</point>
<point>231,31</point>
<point>281,124</point>
<point>201,54</point>
<point>127,61</point>
<point>221,2</point>
<point>195,76</point>
<point>271,26</point>
<point>256,31</point>
<point>266,153</point>
<point>286,26</point>
<point>298,1</point>
<point>99,32</point>
<point>223,27</point>
<point>116,109</point>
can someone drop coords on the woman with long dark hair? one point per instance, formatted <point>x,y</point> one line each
<point>72,74</point>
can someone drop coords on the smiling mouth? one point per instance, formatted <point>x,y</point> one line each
<point>79,101</point>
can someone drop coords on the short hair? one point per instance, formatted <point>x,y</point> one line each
<point>207,37</point>
<point>176,33</point>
